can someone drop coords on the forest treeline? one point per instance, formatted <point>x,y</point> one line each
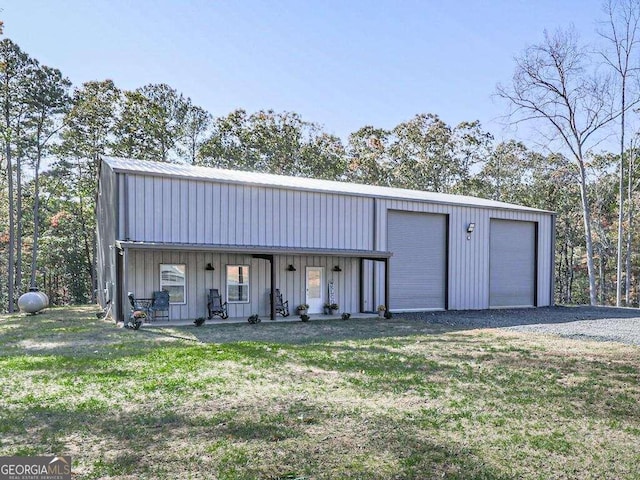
<point>54,134</point>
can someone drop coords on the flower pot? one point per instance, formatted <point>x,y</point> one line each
<point>302,311</point>
<point>381,313</point>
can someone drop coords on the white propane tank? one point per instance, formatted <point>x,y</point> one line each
<point>33,301</point>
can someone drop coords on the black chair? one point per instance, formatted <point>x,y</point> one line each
<point>159,307</point>
<point>215,305</point>
<point>138,305</point>
<point>281,307</point>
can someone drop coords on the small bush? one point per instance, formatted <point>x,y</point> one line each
<point>304,317</point>
<point>346,316</point>
<point>253,319</point>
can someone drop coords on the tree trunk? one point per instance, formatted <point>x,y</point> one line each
<point>620,199</point>
<point>11,265</point>
<point>629,228</point>
<point>36,212</point>
<point>11,262</point>
<point>586,216</point>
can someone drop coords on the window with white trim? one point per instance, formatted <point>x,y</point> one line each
<point>173,279</point>
<point>238,283</point>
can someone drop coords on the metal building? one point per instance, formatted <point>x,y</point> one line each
<point>187,229</point>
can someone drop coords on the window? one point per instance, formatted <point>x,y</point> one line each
<point>173,280</point>
<point>238,283</point>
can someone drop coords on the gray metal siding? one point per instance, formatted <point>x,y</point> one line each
<point>512,266</point>
<point>143,269</point>
<point>105,234</point>
<point>191,211</point>
<point>418,270</point>
<point>468,275</point>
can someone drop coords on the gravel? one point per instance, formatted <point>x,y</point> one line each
<point>587,323</point>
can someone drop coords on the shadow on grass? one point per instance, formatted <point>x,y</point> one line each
<point>133,443</point>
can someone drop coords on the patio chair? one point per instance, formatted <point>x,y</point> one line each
<point>281,307</point>
<point>138,305</point>
<point>159,307</point>
<point>215,305</point>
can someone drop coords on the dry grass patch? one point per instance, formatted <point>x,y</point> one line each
<point>333,400</point>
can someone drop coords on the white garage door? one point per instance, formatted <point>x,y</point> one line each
<point>512,253</point>
<point>418,267</point>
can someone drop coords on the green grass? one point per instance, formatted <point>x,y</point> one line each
<point>357,399</point>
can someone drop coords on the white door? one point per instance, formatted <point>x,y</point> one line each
<point>315,281</point>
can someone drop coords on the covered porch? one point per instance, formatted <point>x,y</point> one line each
<point>358,284</point>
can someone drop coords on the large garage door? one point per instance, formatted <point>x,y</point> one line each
<point>418,267</point>
<point>512,264</point>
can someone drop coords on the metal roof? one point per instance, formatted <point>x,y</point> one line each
<point>178,170</point>
<point>255,249</point>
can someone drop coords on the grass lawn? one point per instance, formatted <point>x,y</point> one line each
<point>355,399</point>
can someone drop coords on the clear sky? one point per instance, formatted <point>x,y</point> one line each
<point>343,64</point>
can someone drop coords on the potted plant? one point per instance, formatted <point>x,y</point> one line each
<point>136,319</point>
<point>302,309</point>
<point>334,307</point>
<point>326,309</point>
<point>381,309</point>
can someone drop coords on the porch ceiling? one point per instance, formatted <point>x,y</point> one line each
<point>254,249</point>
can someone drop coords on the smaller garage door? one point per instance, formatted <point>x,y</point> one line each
<point>418,268</point>
<point>512,263</point>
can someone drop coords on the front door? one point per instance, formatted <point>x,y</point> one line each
<point>315,297</point>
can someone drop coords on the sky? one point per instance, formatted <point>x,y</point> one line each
<point>342,64</point>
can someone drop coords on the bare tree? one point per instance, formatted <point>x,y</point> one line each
<point>555,87</point>
<point>623,17</point>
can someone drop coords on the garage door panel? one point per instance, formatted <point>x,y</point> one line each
<point>419,263</point>
<point>512,253</point>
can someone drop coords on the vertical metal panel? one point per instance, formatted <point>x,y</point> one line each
<point>107,227</point>
<point>191,211</point>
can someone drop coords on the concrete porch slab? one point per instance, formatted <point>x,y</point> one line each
<point>264,319</point>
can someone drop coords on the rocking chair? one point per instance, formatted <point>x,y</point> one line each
<point>281,307</point>
<point>215,305</point>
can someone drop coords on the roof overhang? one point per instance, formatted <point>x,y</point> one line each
<point>254,249</point>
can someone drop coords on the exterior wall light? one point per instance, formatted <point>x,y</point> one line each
<point>209,267</point>
<point>291,268</point>
<point>337,268</point>
<point>470,228</point>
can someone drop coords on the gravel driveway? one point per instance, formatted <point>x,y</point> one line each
<point>592,323</point>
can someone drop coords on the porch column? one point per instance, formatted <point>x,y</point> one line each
<point>272,294</point>
<point>361,274</point>
<point>386,283</point>
<point>124,279</point>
